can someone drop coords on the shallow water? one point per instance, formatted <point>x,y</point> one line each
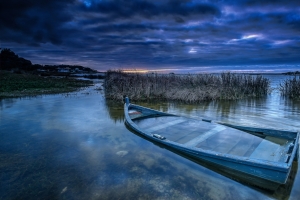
<point>76,146</point>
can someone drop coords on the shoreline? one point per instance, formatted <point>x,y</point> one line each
<point>28,85</point>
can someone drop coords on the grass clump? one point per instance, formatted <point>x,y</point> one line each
<point>18,85</point>
<point>290,88</point>
<point>187,88</point>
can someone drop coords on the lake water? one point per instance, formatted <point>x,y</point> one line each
<point>76,146</point>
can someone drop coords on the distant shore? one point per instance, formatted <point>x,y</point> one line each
<point>21,85</point>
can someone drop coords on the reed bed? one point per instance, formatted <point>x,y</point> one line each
<point>186,88</point>
<point>290,88</point>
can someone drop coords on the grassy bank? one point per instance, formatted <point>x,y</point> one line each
<point>291,88</point>
<point>187,88</point>
<point>18,85</point>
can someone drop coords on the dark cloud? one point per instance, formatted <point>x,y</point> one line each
<point>268,3</point>
<point>148,9</point>
<point>153,34</point>
<point>34,22</point>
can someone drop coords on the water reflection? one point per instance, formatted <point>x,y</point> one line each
<point>76,146</point>
<point>7,103</point>
<point>290,104</point>
<point>115,110</point>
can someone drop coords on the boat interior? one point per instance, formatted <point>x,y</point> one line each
<point>214,137</point>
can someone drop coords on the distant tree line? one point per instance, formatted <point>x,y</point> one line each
<point>11,61</point>
<point>292,73</point>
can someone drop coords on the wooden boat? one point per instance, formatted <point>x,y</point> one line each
<point>262,157</point>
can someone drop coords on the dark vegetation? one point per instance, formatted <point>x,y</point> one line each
<point>11,62</point>
<point>292,73</point>
<point>186,88</point>
<point>19,77</point>
<point>291,88</point>
<point>17,85</point>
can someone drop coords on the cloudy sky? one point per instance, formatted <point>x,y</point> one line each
<point>161,35</point>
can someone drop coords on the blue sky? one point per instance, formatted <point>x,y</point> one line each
<point>157,35</point>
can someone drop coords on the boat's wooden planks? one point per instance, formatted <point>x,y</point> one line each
<point>194,133</point>
<point>179,130</point>
<point>230,141</point>
<point>154,121</point>
<point>165,125</point>
<point>177,135</point>
<point>187,137</point>
<point>203,136</point>
<point>245,147</point>
<point>269,150</point>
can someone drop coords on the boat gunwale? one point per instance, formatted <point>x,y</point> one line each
<point>280,165</point>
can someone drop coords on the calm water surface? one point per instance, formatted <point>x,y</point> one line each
<point>76,146</point>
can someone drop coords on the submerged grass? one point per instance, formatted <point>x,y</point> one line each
<point>187,88</point>
<point>18,85</point>
<point>290,88</point>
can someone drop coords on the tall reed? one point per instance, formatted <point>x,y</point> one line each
<point>290,88</point>
<point>187,88</point>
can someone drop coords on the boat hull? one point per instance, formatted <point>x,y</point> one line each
<point>265,174</point>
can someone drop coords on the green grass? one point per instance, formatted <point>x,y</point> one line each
<point>17,85</point>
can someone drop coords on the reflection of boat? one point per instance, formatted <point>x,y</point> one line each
<point>263,157</point>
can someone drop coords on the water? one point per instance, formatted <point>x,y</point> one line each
<point>76,146</point>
